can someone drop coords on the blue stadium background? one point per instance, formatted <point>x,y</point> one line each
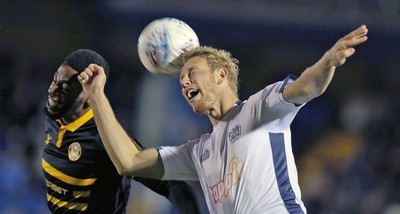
<point>346,142</point>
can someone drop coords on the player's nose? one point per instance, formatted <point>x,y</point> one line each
<point>185,81</point>
<point>53,88</point>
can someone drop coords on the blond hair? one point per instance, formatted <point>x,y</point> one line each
<point>217,59</point>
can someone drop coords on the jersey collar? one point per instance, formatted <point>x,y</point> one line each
<point>78,122</point>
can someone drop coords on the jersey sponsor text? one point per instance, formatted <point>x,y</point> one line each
<point>222,189</point>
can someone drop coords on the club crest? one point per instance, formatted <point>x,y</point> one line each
<point>234,133</point>
<point>74,151</point>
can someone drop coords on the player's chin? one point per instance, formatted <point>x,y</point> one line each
<point>52,114</point>
<point>50,109</point>
<point>198,108</point>
<point>54,111</point>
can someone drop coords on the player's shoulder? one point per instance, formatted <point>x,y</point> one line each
<point>198,142</point>
<point>201,139</point>
<point>273,88</point>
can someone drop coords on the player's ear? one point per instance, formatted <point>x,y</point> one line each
<point>222,75</point>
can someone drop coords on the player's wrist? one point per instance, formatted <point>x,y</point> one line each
<point>326,61</point>
<point>97,95</point>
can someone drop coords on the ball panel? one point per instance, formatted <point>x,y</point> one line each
<point>161,44</point>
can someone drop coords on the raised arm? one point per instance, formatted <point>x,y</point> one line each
<point>127,158</point>
<point>315,79</point>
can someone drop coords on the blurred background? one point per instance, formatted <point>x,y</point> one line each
<point>346,142</point>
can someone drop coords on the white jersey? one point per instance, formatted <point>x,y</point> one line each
<point>246,164</point>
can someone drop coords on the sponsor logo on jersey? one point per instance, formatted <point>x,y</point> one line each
<point>48,139</point>
<point>234,133</point>
<point>222,189</point>
<point>56,188</point>
<point>74,151</point>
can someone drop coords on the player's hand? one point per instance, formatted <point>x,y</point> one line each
<point>92,79</point>
<point>344,48</point>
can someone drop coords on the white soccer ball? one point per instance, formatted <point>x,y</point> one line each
<point>161,44</point>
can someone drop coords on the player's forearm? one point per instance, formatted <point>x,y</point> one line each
<point>127,158</point>
<point>311,83</point>
<point>317,77</point>
<point>115,139</point>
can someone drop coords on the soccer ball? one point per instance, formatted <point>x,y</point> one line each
<point>161,44</point>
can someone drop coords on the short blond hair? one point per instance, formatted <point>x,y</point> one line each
<point>217,59</point>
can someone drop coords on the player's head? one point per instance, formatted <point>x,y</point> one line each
<point>208,77</point>
<point>82,58</point>
<point>217,59</point>
<point>65,92</point>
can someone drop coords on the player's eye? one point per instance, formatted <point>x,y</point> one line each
<point>192,73</point>
<point>55,78</point>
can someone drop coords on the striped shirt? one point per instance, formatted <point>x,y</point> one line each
<point>79,175</point>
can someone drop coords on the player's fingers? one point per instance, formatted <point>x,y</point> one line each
<point>356,37</point>
<point>85,75</point>
<point>96,69</point>
<point>342,55</point>
<point>350,43</point>
<point>359,32</point>
<point>358,40</point>
<point>92,67</point>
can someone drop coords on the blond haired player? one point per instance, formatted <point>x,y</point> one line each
<point>246,164</point>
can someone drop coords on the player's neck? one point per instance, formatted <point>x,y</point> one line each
<point>224,106</point>
<point>71,117</point>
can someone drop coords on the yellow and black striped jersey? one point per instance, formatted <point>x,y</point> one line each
<point>79,175</point>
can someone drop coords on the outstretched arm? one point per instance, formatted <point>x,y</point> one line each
<point>315,79</point>
<point>126,157</point>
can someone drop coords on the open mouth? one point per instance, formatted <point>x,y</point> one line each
<point>53,104</point>
<point>52,100</point>
<point>192,93</point>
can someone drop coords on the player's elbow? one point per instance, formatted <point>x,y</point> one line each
<point>143,164</point>
<point>127,168</point>
<point>121,170</point>
<point>301,94</point>
<point>124,171</point>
